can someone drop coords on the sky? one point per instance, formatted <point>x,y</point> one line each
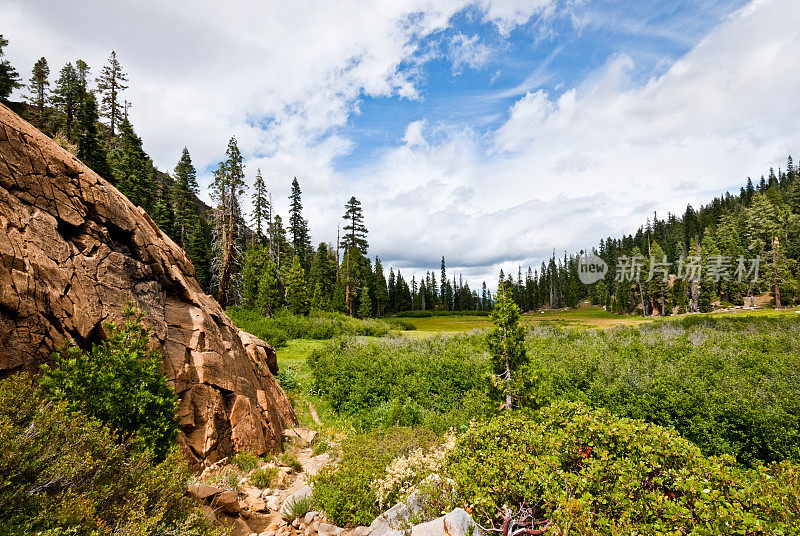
<point>491,132</point>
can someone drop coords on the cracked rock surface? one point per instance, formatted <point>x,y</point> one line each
<point>74,251</point>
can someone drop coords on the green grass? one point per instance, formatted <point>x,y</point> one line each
<point>588,316</point>
<point>584,316</point>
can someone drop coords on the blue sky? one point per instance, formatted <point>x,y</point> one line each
<point>488,131</point>
<point>552,53</point>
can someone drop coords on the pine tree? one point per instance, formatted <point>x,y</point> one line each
<point>9,78</point>
<point>506,344</point>
<point>403,293</point>
<point>110,84</point>
<point>261,206</point>
<point>296,291</point>
<point>322,277</point>
<point>38,87</point>
<point>658,284</point>
<point>381,295</point>
<point>184,190</point>
<point>365,304</point>
<point>354,239</point>
<point>82,70</point>
<point>391,292</point>
<point>444,284</point>
<point>198,249</point>
<point>227,188</point>
<point>67,97</point>
<point>92,149</point>
<point>132,169</point>
<point>355,231</point>
<point>269,289</point>
<point>162,213</point>
<point>298,226</point>
<point>253,265</point>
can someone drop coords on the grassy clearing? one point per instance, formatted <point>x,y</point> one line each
<point>586,316</point>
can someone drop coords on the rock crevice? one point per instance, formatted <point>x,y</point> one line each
<point>74,251</point>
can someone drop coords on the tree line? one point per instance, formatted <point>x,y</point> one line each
<point>757,228</point>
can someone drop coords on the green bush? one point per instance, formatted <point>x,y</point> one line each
<point>344,492</point>
<point>62,472</point>
<point>290,461</point>
<point>245,461</point>
<point>300,506</point>
<point>118,382</point>
<point>287,377</point>
<point>729,384</point>
<point>320,447</point>
<point>229,477</point>
<point>262,478</point>
<point>587,472</point>
<point>403,380</point>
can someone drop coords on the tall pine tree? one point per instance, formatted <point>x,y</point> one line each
<point>110,84</point>
<point>184,192</point>
<point>9,78</point>
<point>227,189</point>
<point>39,89</point>
<point>298,226</point>
<point>261,206</point>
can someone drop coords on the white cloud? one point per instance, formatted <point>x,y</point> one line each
<point>468,52</point>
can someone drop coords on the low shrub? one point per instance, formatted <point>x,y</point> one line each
<point>245,461</point>
<point>62,472</point>
<point>118,382</point>
<point>403,381</point>
<point>584,471</point>
<point>320,447</point>
<point>300,506</point>
<point>407,470</point>
<point>290,461</point>
<point>287,378</point>
<point>728,384</point>
<point>262,478</point>
<point>229,477</point>
<point>345,492</point>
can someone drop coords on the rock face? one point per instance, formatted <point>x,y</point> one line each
<point>73,251</point>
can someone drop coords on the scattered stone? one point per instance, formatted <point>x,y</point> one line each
<point>326,529</point>
<point>288,504</point>
<point>227,501</point>
<point>362,531</point>
<point>203,491</point>
<point>456,523</point>
<point>240,527</point>
<point>398,517</point>
<point>309,517</point>
<point>273,503</point>
<point>305,436</point>
<point>260,523</point>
